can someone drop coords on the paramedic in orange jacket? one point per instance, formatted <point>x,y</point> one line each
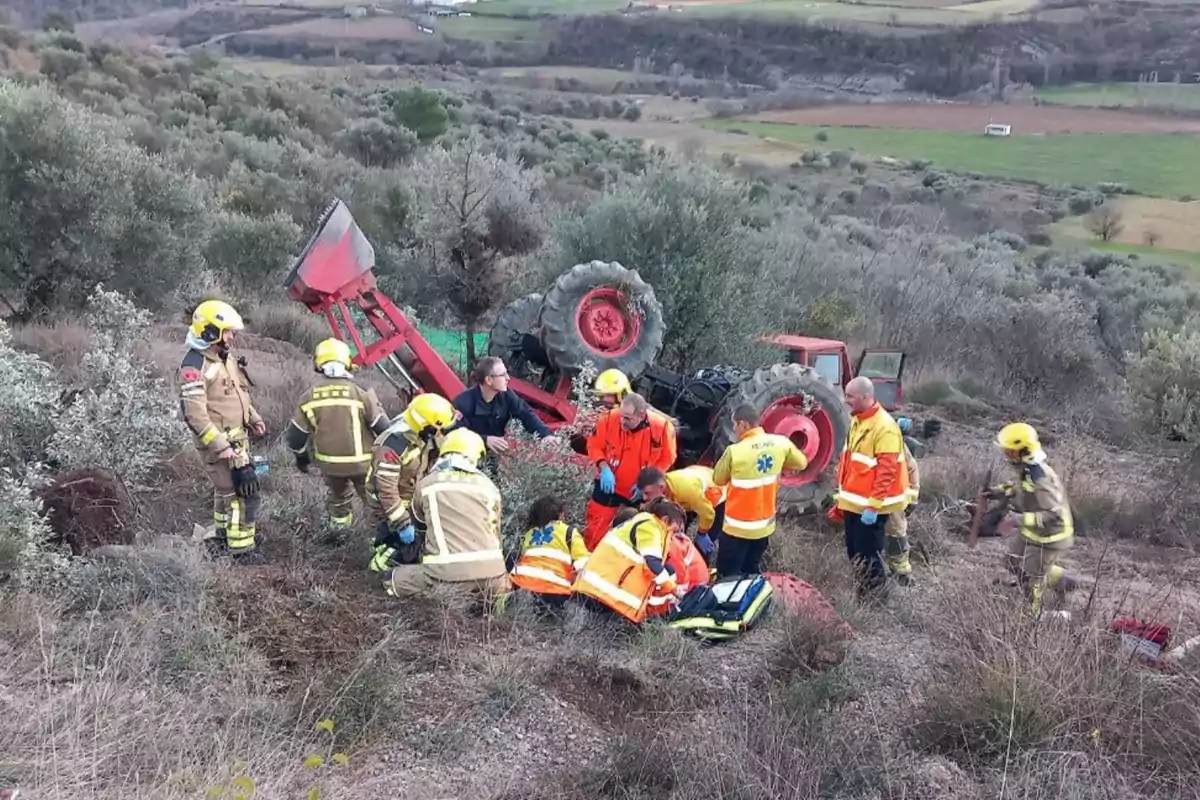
<point>627,439</point>
<point>872,483</point>
<point>690,568</point>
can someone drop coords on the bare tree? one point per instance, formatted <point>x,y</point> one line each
<point>1105,221</point>
<point>476,215</point>
<point>1151,236</point>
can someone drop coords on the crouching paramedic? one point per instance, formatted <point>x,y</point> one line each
<point>337,421</point>
<point>457,509</point>
<point>687,564</point>
<point>400,458</point>
<point>895,530</point>
<point>551,553</point>
<point>1046,527</point>
<point>750,468</point>
<point>216,405</point>
<point>692,488</point>
<point>627,439</point>
<point>629,564</point>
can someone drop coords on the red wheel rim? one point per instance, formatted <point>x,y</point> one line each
<point>813,433</point>
<point>605,324</point>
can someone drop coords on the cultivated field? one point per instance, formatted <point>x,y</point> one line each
<point>1156,164</point>
<point>1175,225</point>
<point>398,28</point>
<point>1123,95</point>
<point>964,117</point>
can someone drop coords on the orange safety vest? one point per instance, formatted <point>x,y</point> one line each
<point>874,436</point>
<point>690,571</point>
<point>616,574</point>
<point>550,557</point>
<point>751,467</point>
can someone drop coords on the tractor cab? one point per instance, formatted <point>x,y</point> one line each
<point>830,358</point>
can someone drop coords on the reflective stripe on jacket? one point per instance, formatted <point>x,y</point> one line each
<point>460,514</point>
<point>398,463</point>
<point>751,468</point>
<point>690,571</point>
<point>617,573</point>
<point>871,469</point>
<point>550,557</point>
<point>914,474</point>
<point>1041,501</point>
<point>339,421</point>
<point>693,489</point>
<point>214,399</point>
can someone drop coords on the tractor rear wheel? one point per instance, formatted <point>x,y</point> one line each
<point>793,400</point>
<point>516,320</point>
<point>603,313</point>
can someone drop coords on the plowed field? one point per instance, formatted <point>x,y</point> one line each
<point>963,117</point>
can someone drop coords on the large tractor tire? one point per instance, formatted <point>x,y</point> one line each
<point>603,313</point>
<point>794,401</point>
<point>506,340</point>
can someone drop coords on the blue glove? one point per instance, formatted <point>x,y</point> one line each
<point>705,544</point>
<point>608,481</point>
<point>870,516</point>
<point>407,534</point>
<point>905,424</point>
<point>637,495</point>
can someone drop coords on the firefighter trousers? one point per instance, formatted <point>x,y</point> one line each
<point>234,517</point>
<point>339,505</point>
<point>1036,568</point>
<point>895,547</point>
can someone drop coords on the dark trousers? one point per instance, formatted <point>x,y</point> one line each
<point>864,547</point>
<point>740,556</point>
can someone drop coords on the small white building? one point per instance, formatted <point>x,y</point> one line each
<point>996,129</point>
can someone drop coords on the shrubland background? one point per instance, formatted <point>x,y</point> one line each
<point>134,185</point>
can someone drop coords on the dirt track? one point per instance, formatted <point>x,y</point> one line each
<point>963,117</point>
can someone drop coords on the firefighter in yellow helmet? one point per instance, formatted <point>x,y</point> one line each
<point>215,400</point>
<point>400,457</point>
<point>1043,515</point>
<point>334,424</point>
<point>611,386</point>
<point>457,508</point>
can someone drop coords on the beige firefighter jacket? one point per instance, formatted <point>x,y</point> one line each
<point>339,421</point>
<point>215,400</point>
<point>460,514</point>
<point>398,462</point>
<point>1041,500</point>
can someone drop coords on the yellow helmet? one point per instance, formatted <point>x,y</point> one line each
<point>465,442</point>
<point>429,412</point>
<point>612,381</point>
<point>212,318</point>
<point>1018,436</point>
<point>332,350</point>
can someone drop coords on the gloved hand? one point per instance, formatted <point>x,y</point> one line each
<point>608,481</point>
<point>910,508</point>
<point>245,481</point>
<point>904,423</point>
<point>636,495</point>
<point>407,534</point>
<point>705,544</point>
<point>383,533</point>
<point>870,516</point>
<point>302,462</point>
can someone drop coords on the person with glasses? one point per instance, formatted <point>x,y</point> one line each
<point>487,407</point>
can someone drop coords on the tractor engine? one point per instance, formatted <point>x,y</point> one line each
<point>693,400</point>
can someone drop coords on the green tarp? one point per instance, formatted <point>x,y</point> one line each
<point>452,346</point>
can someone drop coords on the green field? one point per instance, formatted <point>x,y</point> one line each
<point>1181,257</point>
<point>1165,165</point>
<point>489,29</point>
<point>1123,95</point>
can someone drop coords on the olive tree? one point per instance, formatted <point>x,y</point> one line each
<point>1165,376</point>
<point>475,215</point>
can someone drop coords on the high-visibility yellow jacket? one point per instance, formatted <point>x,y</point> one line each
<point>1041,500</point>
<point>339,420</point>
<point>550,557</point>
<point>626,566</point>
<point>871,469</point>
<point>751,468</point>
<point>694,490</point>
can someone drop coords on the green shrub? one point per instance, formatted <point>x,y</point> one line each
<point>1165,376</point>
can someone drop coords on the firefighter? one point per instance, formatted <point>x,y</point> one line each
<point>337,421</point>
<point>895,530</point>
<point>872,484</point>
<point>627,439</point>
<point>751,468</point>
<point>629,564</point>
<point>693,489</point>
<point>611,387</point>
<point>1046,527</point>
<point>551,553</point>
<point>213,390</point>
<point>457,508</point>
<point>400,458</point>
